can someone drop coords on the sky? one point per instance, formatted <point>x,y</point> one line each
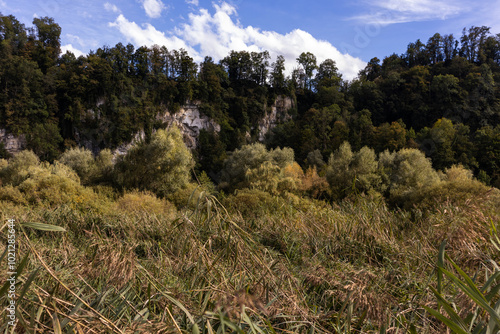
<point>349,32</point>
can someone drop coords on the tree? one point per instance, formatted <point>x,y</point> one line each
<point>328,75</point>
<point>47,42</point>
<point>405,172</point>
<point>277,74</point>
<point>473,41</point>
<point>81,161</point>
<point>348,172</point>
<point>434,49</point>
<point>44,140</point>
<point>252,157</point>
<point>308,62</point>
<point>162,166</point>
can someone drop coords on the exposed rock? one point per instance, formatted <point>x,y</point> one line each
<point>279,114</point>
<point>12,143</point>
<point>123,148</point>
<point>190,121</point>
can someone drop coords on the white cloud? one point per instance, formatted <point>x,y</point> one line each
<point>385,12</point>
<point>111,8</point>
<point>148,35</point>
<point>216,35</point>
<point>69,47</point>
<point>193,2</point>
<point>153,8</point>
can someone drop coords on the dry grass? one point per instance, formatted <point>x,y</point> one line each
<point>290,265</point>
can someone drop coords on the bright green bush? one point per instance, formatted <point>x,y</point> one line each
<point>349,172</point>
<point>458,187</point>
<point>16,170</point>
<point>246,165</point>
<point>162,166</point>
<point>81,161</point>
<point>103,172</point>
<point>404,173</point>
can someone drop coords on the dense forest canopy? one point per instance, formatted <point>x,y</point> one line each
<point>441,97</point>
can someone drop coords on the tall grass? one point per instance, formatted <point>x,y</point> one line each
<point>286,265</point>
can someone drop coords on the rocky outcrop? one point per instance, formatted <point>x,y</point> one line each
<point>190,121</point>
<point>278,114</point>
<point>188,118</point>
<point>12,143</point>
<point>123,148</point>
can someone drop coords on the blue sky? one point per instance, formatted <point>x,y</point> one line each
<point>350,32</point>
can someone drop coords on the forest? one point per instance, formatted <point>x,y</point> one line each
<point>373,207</point>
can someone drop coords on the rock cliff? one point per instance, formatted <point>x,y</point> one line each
<point>12,143</point>
<point>189,120</point>
<point>278,114</point>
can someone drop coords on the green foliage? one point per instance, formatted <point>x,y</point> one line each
<point>350,172</point>
<point>44,140</point>
<point>143,202</point>
<point>15,171</point>
<point>252,157</point>
<point>458,187</point>
<point>161,166</point>
<point>484,315</point>
<point>405,172</point>
<point>81,161</point>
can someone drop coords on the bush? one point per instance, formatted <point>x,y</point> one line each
<point>16,169</point>
<point>349,172</point>
<point>10,194</point>
<point>458,188</point>
<point>252,202</point>
<point>81,161</point>
<point>162,166</point>
<point>246,164</point>
<point>405,172</point>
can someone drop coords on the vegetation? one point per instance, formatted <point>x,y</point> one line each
<point>332,225</point>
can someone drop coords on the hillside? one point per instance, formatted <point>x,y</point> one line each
<point>148,193</point>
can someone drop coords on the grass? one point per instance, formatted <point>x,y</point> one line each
<point>137,264</point>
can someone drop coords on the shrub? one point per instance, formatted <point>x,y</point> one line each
<point>103,172</point>
<point>162,166</point>
<point>313,184</point>
<point>252,161</point>
<point>15,171</point>
<point>252,202</point>
<point>81,161</point>
<point>405,172</point>
<point>458,188</point>
<point>349,172</point>
<point>10,194</point>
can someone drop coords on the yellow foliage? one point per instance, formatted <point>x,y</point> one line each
<point>313,184</point>
<point>144,202</point>
<point>11,194</point>
<point>293,170</point>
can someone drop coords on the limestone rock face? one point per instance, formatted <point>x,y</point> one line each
<point>279,114</point>
<point>12,143</point>
<point>190,121</point>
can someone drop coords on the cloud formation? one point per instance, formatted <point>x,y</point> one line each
<point>111,8</point>
<point>385,12</point>
<point>193,2</point>
<point>153,8</point>
<point>71,48</point>
<point>216,35</point>
<point>147,35</point>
